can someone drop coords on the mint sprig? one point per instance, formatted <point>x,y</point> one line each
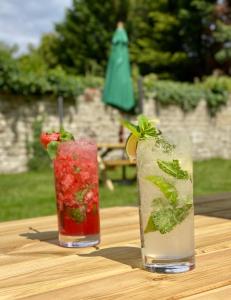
<point>133,128</point>
<point>165,219</point>
<point>173,169</point>
<point>169,211</point>
<point>66,136</point>
<point>52,147</point>
<point>144,129</point>
<point>147,129</point>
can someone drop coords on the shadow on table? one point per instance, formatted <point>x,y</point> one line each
<point>130,256</point>
<point>43,236</point>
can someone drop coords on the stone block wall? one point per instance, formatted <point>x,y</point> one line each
<point>87,116</point>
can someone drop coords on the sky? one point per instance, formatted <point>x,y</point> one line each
<point>24,21</point>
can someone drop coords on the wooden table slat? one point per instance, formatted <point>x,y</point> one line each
<point>33,266</point>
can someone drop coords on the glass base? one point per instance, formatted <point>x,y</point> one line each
<point>169,266</point>
<point>73,241</point>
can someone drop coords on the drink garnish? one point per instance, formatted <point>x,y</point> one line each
<point>49,136</point>
<point>145,129</point>
<point>165,187</point>
<point>51,139</point>
<point>173,168</point>
<point>165,219</point>
<point>131,145</point>
<point>169,211</point>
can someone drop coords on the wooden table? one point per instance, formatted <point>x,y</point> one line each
<point>33,266</point>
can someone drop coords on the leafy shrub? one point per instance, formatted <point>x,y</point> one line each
<point>17,78</point>
<point>214,90</point>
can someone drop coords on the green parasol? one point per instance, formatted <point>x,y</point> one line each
<point>118,90</point>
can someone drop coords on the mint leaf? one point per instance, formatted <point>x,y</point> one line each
<point>165,219</point>
<point>66,136</point>
<point>182,212</point>
<point>173,168</point>
<point>146,127</point>
<point>150,227</point>
<point>165,187</point>
<point>162,143</point>
<point>81,194</point>
<point>133,128</point>
<point>158,203</point>
<point>52,148</point>
<point>78,214</point>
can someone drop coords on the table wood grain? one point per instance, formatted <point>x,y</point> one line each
<point>33,266</point>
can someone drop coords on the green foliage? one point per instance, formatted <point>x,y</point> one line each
<point>218,83</point>
<point>30,76</point>
<point>39,159</point>
<point>222,36</point>
<point>171,38</point>
<point>217,90</point>
<point>48,49</point>
<point>178,39</point>
<point>85,34</point>
<point>185,95</point>
<point>214,90</point>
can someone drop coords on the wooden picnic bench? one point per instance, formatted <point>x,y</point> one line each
<point>105,164</point>
<point>33,266</point>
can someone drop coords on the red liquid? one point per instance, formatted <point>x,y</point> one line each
<point>76,182</point>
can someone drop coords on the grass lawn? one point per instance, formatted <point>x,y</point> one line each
<point>32,194</point>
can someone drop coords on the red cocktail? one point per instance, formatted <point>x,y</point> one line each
<point>77,194</point>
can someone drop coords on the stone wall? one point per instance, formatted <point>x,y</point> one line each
<point>87,116</point>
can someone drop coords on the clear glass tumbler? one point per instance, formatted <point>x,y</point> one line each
<point>77,193</point>
<point>166,203</point>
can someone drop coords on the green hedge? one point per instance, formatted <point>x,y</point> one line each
<point>14,79</point>
<point>214,90</point>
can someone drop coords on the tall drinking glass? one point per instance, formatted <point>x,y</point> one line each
<point>77,195</point>
<point>166,203</point>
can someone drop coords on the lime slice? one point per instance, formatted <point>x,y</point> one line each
<point>131,146</point>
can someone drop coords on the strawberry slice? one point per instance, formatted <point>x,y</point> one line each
<point>46,138</point>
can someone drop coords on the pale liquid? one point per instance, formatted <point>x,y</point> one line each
<point>178,243</point>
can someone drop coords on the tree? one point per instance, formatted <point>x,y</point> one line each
<point>173,37</point>
<point>48,49</point>
<point>85,35</point>
<point>222,35</point>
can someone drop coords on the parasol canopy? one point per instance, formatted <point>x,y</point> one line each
<point>118,89</point>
